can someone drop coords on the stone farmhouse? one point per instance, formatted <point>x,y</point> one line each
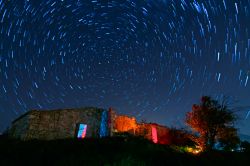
<point>89,122</point>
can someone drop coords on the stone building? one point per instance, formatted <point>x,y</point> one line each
<point>81,123</point>
<point>62,124</point>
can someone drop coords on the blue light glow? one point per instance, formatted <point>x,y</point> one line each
<point>82,131</point>
<point>104,124</point>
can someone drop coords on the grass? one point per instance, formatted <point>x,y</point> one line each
<point>115,151</point>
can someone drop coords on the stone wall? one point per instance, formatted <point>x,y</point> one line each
<point>62,124</point>
<point>163,135</point>
<point>56,124</point>
<point>129,125</point>
<point>145,130</point>
<point>125,124</point>
<point>19,127</point>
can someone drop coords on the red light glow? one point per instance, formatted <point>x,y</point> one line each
<point>154,134</point>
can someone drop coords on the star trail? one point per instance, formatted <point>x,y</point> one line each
<point>151,59</point>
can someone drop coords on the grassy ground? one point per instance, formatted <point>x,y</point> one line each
<point>108,151</point>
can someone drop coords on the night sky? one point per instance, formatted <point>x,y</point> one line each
<point>151,59</point>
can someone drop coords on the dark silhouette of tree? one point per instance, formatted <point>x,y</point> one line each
<point>245,146</point>
<point>228,138</point>
<point>180,137</point>
<point>213,121</point>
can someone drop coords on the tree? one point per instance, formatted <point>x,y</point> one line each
<point>180,137</point>
<point>228,138</point>
<point>245,146</point>
<point>212,120</point>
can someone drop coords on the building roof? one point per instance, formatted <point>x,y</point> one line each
<point>55,110</point>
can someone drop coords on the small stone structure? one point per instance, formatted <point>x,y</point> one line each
<point>64,124</point>
<point>151,131</point>
<point>57,124</point>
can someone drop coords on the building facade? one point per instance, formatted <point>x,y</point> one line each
<point>82,123</point>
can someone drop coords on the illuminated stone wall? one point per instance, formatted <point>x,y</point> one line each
<point>145,130</point>
<point>162,134</point>
<point>125,124</point>
<point>56,124</point>
<point>151,131</point>
<point>62,124</point>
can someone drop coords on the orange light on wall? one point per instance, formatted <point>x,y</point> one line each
<point>154,134</point>
<point>125,124</point>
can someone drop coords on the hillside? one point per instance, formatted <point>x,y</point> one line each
<point>107,151</point>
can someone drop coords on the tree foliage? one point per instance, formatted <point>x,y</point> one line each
<point>180,137</point>
<point>228,138</point>
<point>245,146</point>
<point>213,121</point>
